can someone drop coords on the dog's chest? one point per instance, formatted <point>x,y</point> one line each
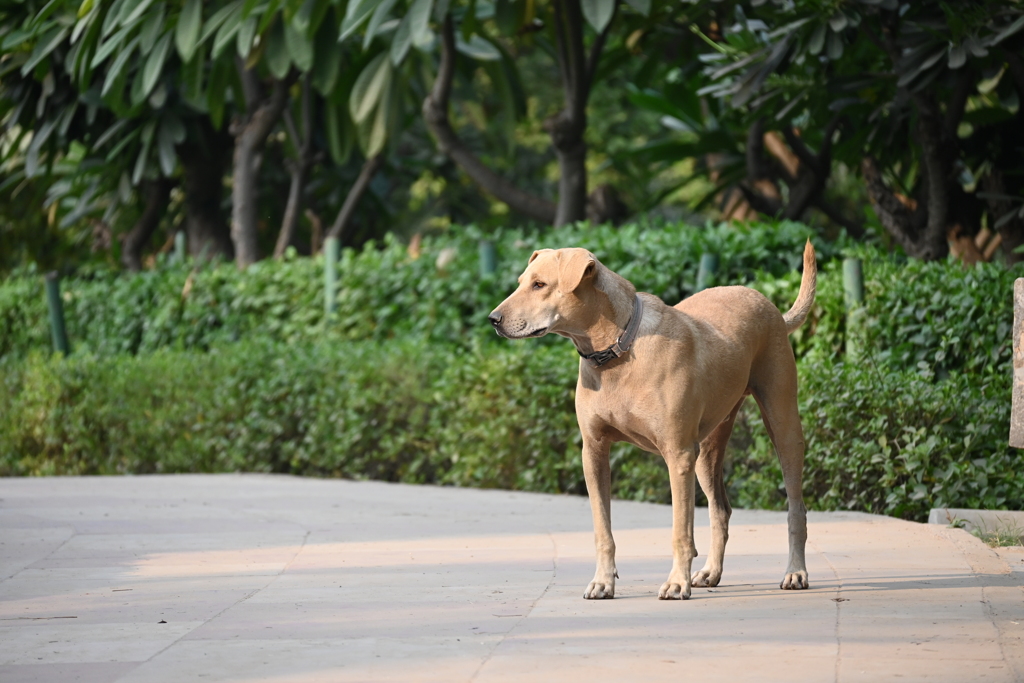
<point>633,415</point>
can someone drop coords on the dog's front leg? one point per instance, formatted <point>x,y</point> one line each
<point>681,469</point>
<point>598,473</point>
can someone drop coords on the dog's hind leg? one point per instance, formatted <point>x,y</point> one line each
<point>709,474</point>
<point>782,419</point>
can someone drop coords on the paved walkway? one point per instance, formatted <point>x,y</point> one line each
<point>272,578</point>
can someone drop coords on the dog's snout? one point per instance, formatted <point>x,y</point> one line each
<point>495,318</point>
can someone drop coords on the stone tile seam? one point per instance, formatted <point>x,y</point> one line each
<point>551,581</point>
<point>839,605</point>
<point>48,555</point>
<point>982,560</point>
<point>238,602</point>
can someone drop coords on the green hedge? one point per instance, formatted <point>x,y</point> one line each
<point>920,421</point>
<point>383,293</point>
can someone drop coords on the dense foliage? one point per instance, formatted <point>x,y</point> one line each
<point>382,293</point>
<point>919,420</point>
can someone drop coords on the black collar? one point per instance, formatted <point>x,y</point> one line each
<point>622,344</point>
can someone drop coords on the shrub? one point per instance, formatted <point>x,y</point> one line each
<point>383,293</point>
<point>919,421</point>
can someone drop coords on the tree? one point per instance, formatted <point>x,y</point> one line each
<point>872,75</point>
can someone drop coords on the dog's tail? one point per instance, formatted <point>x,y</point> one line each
<point>795,316</point>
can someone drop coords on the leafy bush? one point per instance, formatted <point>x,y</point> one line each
<point>382,293</point>
<point>919,421</point>
<point>398,411</point>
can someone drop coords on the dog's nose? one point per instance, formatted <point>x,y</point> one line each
<point>495,318</point>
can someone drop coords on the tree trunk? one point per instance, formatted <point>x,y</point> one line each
<point>156,193</point>
<point>355,193</point>
<point>250,138</point>
<point>569,125</point>
<point>203,158</point>
<point>435,114</point>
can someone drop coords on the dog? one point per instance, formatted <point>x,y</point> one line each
<point>670,380</point>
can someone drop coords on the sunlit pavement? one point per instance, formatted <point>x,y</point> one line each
<point>274,578</point>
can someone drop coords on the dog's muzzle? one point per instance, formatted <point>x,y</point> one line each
<point>496,319</point>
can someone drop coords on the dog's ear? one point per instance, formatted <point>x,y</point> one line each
<point>575,266</point>
<point>536,254</point>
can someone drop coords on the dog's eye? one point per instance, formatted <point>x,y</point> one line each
<point>539,285</point>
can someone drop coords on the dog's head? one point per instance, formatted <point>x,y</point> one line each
<point>552,293</point>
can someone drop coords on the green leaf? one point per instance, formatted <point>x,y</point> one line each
<point>339,137</point>
<point>641,6</point>
<point>598,12</point>
<point>108,47</point>
<point>39,138</point>
<point>327,62</point>
<point>118,65</point>
<point>186,33</point>
<point>165,149</point>
<point>85,8</point>
<point>47,44</point>
<point>817,42</point>
<point>402,40</point>
<point>1008,31</point>
<point>269,15</point>
<point>126,140</point>
<point>110,18</point>
<point>228,29</point>
<point>245,37</point>
<point>248,7</point>
<point>217,90</point>
<point>155,63</point>
<point>82,24</point>
<point>278,60</point>
<point>477,48</point>
<point>151,29</point>
<point>420,20</point>
<point>218,18</point>
<point>368,89</point>
<point>300,48</point>
<point>140,161</point>
<point>357,12</point>
<point>303,18</point>
<point>374,131</point>
<point>379,15</point>
<point>135,13</point>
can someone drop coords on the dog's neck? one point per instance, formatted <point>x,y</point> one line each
<point>609,310</point>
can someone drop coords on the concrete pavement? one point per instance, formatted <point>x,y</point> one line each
<point>273,578</point>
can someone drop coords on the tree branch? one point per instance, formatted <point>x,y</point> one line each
<point>853,228</point>
<point>806,156</point>
<point>355,193</point>
<point>596,48</point>
<point>435,113</point>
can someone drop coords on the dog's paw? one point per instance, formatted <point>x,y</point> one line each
<point>706,578</point>
<point>599,590</point>
<point>795,581</point>
<point>674,591</point>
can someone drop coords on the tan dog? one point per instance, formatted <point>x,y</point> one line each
<point>675,391</point>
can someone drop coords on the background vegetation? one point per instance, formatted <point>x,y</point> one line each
<point>919,420</point>
<point>410,130</point>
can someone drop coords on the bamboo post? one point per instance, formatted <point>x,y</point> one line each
<point>179,246</point>
<point>853,293</point>
<point>58,332</point>
<point>331,250</point>
<point>706,272</point>
<point>488,258</point>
